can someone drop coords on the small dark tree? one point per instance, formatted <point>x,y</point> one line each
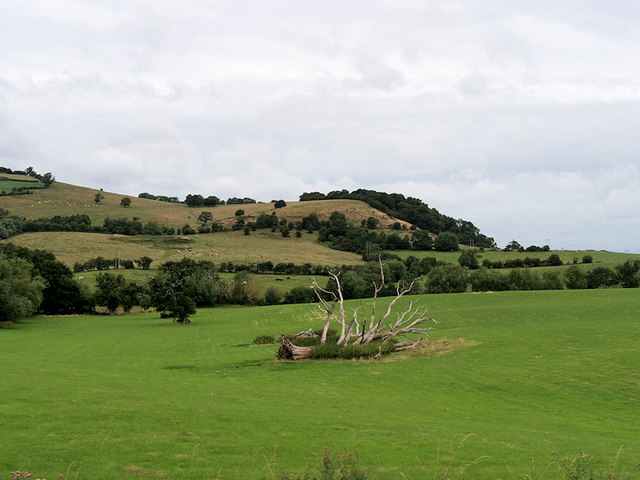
<point>421,240</point>
<point>125,202</point>
<point>239,212</point>
<point>113,291</point>
<point>144,262</point>
<point>469,259</point>
<point>447,242</point>
<point>513,246</point>
<point>628,273</point>
<point>205,217</point>
<point>98,198</point>
<point>280,204</point>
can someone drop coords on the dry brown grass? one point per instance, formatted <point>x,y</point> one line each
<point>260,246</point>
<point>65,199</point>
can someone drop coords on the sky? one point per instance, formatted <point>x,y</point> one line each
<point>521,117</point>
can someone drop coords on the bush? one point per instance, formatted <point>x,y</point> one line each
<point>587,259</point>
<point>272,296</point>
<point>446,279</point>
<point>347,352</point>
<point>264,340</point>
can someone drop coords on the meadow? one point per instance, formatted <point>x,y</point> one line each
<point>98,397</point>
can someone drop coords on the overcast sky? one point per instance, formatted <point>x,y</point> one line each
<point>522,117</point>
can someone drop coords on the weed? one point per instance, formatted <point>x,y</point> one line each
<point>335,466</point>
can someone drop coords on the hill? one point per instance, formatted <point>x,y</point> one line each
<point>65,199</point>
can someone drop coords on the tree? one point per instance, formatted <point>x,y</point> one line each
<point>469,259</point>
<point>513,246</point>
<point>575,278</point>
<point>125,202</point>
<point>48,179</point>
<point>372,223</point>
<point>628,273</point>
<point>447,278</point>
<point>113,291</point>
<point>144,262</point>
<point>167,291</point>
<point>205,217</point>
<point>446,242</point>
<point>359,328</point>
<point>280,204</point>
<point>272,296</point>
<point>98,198</point>
<point>239,212</point>
<point>421,240</point>
<point>20,291</point>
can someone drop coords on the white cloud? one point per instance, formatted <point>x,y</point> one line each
<point>519,117</point>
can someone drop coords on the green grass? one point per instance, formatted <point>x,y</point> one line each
<point>94,397</point>
<point>9,185</point>
<point>260,246</point>
<point>601,258</point>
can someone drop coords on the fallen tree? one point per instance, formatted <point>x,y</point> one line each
<point>410,327</point>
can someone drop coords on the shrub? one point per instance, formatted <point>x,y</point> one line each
<point>587,259</point>
<point>264,340</point>
<point>347,352</point>
<point>272,296</point>
<point>446,279</point>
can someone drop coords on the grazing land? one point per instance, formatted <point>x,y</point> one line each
<point>131,396</point>
<point>65,199</point>
<point>263,245</point>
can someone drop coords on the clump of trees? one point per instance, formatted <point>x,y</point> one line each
<point>40,283</point>
<point>411,210</point>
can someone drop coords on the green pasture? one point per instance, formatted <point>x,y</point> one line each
<point>260,246</point>
<point>98,397</point>
<point>601,258</point>
<point>8,185</point>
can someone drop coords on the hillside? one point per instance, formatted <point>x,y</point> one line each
<point>66,199</point>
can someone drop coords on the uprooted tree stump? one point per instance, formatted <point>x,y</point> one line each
<point>409,323</point>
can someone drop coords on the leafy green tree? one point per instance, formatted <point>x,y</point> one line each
<point>239,212</point>
<point>447,278</point>
<point>98,198</point>
<point>469,259</point>
<point>372,223</point>
<point>513,246</point>
<point>447,242</point>
<point>421,240</point>
<point>125,202</point>
<point>48,179</point>
<point>144,262</point>
<point>20,291</point>
<point>280,204</point>
<point>554,260</point>
<point>485,280</point>
<point>168,291</point>
<point>272,296</point>
<point>205,217</point>
<point>628,273</point>
<point>575,278</point>
<point>113,291</point>
<point>601,277</point>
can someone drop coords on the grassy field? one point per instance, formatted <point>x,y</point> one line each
<point>260,246</point>
<point>600,258</point>
<point>132,396</point>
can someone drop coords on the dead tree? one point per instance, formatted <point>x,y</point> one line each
<point>409,324</point>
